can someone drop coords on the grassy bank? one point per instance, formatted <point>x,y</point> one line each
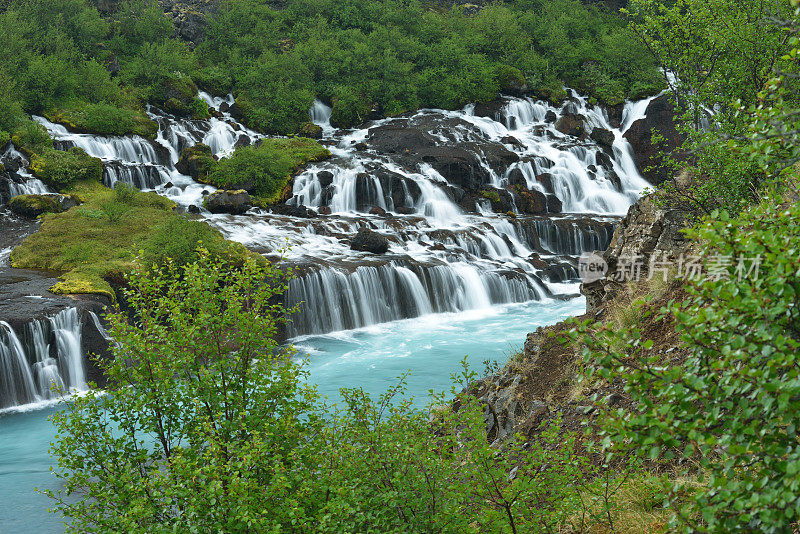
<point>99,239</point>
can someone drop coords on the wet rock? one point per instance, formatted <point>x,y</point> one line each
<point>571,124</point>
<point>234,202</point>
<point>294,211</point>
<point>32,206</point>
<point>550,116</point>
<point>325,210</point>
<point>603,137</point>
<point>196,161</point>
<point>537,261</point>
<point>491,110</point>
<point>325,178</point>
<point>193,209</point>
<point>242,140</point>
<point>659,119</point>
<point>311,130</point>
<point>361,146</point>
<point>367,240</point>
<point>377,210</point>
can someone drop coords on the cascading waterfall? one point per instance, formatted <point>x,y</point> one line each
<point>42,361</point>
<point>445,254</point>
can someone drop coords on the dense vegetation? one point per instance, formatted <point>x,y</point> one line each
<point>265,169</point>
<point>99,239</point>
<point>63,60</point>
<point>216,430</point>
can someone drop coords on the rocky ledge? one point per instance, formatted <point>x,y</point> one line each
<point>539,383</point>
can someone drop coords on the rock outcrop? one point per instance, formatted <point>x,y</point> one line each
<point>659,119</point>
<point>367,240</point>
<point>233,202</point>
<point>34,205</point>
<point>648,236</point>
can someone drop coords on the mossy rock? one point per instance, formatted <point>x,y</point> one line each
<point>35,205</point>
<point>510,80</point>
<point>196,161</point>
<point>90,246</point>
<point>265,169</point>
<point>311,131</point>
<point>494,196</point>
<point>60,169</point>
<point>5,138</point>
<point>179,97</point>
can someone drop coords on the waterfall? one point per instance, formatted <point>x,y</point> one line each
<point>42,360</point>
<point>371,295</point>
<point>448,252</point>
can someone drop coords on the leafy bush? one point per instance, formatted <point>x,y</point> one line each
<point>265,170</point>
<point>60,169</point>
<point>217,430</point>
<point>731,406</point>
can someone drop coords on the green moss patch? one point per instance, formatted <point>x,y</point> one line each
<point>35,205</point>
<point>61,169</point>
<point>100,239</point>
<point>105,119</point>
<point>265,170</point>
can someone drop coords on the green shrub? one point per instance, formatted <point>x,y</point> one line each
<point>731,407</point>
<point>124,193</point>
<point>265,170</point>
<point>178,238</point>
<point>61,169</point>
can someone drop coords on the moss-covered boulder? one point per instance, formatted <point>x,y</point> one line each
<point>311,130</point>
<point>265,169</point>
<point>196,161</point>
<point>179,97</point>
<point>104,119</point>
<point>61,169</point>
<point>34,205</point>
<point>510,80</point>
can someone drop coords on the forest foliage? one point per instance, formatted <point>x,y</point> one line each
<point>365,57</point>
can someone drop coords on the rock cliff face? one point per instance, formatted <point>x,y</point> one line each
<point>538,385</point>
<point>649,235</point>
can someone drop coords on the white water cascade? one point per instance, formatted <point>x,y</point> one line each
<point>42,361</point>
<point>430,182</point>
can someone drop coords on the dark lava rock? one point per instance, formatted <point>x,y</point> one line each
<point>571,124</point>
<point>603,137</point>
<point>325,178</point>
<point>377,210</point>
<point>367,240</point>
<point>294,211</point>
<point>537,261</point>
<point>233,202</point>
<point>196,161</point>
<point>491,110</point>
<point>659,119</point>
